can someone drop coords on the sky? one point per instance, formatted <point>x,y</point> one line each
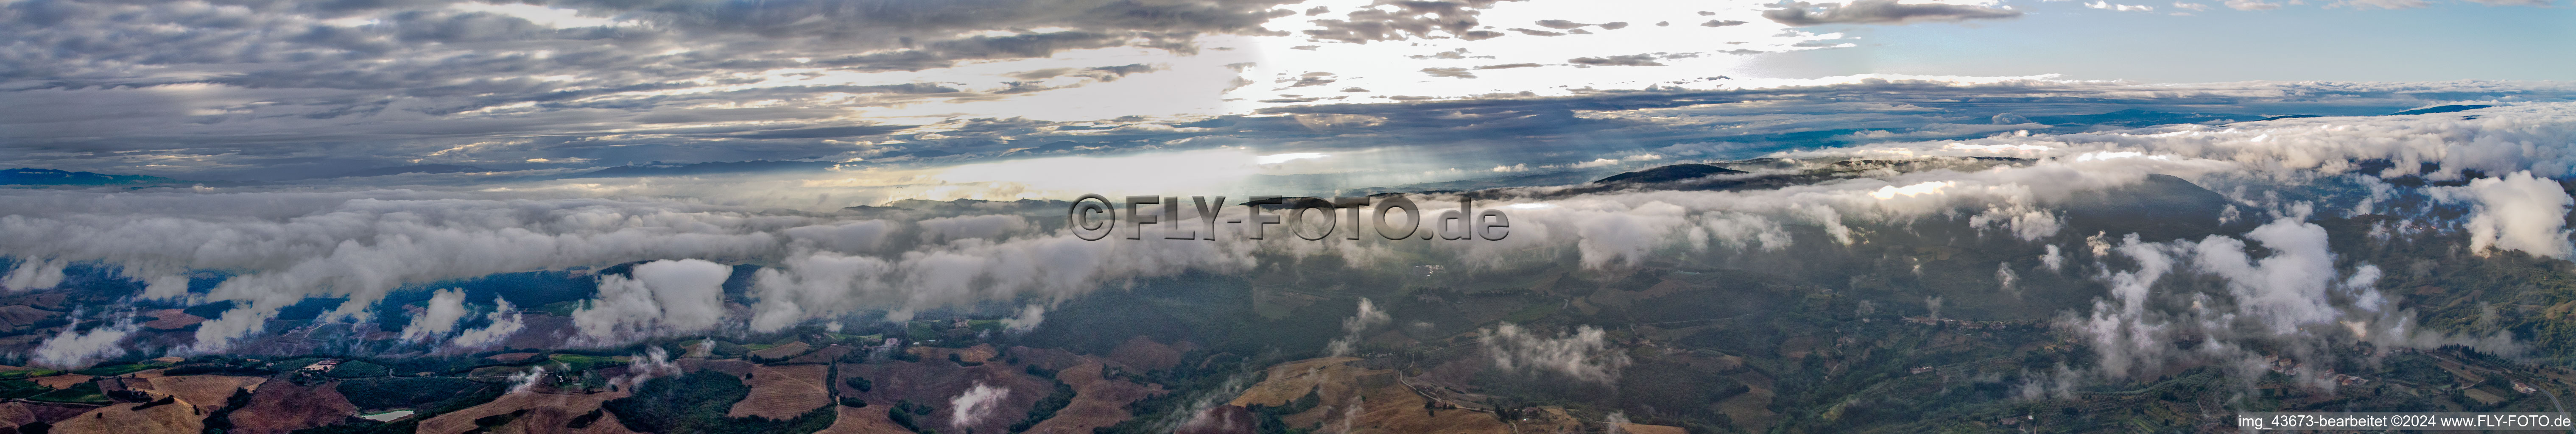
<point>275,91</point>
<point>2438,41</point>
<point>360,151</point>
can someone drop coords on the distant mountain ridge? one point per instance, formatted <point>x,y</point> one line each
<point>711,168</point>
<point>2441,109</point>
<point>35,176</point>
<point>2142,118</point>
<point>398,170</point>
<point>1670,173</point>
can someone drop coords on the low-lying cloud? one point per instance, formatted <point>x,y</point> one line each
<point>1583,354</point>
<point>1881,12</point>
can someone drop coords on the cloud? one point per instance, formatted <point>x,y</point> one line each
<point>975,404</point>
<point>2382,4</point>
<point>2294,301</point>
<point>971,227</point>
<point>1560,24</point>
<point>1449,72</point>
<point>813,284</point>
<point>1389,20</point>
<point>446,307</point>
<point>848,236</point>
<point>285,245</point>
<point>1881,12</point>
<point>1585,354</point>
<point>1741,231</point>
<point>32,274</point>
<point>2291,287</point>
<point>2252,5</point>
<point>655,362</point>
<point>667,296</point>
<point>74,349</point>
<point>1627,60</point>
<point>2120,7</point>
<point>1028,319</point>
<point>525,381</point>
<point>505,320</point>
<point>2516,211</point>
<point>1367,316</point>
<point>313,82</point>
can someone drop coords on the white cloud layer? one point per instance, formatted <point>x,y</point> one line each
<point>1583,354</point>
<point>281,246</point>
<point>2516,211</point>
<point>681,296</point>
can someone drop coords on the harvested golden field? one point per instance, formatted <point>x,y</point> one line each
<point>1750,409</point>
<point>1383,404</point>
<point>61,381</point>
<point>123,418</point>
<point>206,392</point>
<point>1292,380</point>
<point>783,392</point>
<point>1097,402</point>
<point>939,381</point>
<point>545,413</point>
<point>24,412</point>
<point>1394,409</point>
<point>871,420</point>
<point>979,353</point>
<point>792,349</point>
<point>14,316</point>
<point>281,407</point>
<point>172,319</point>
<point>1048,358</point>
<point>15,414</point>
<point>1143,354</point>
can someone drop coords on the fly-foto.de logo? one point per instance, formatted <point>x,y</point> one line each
<point>1391,216</point>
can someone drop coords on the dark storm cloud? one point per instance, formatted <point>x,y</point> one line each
<point>258,80</point>
<point>826,132</point>
<point>1560,24</point>
<point>1628,60</point>
<point>1881,12</point>
<point>1449,72</point>
<point>1409,19</point>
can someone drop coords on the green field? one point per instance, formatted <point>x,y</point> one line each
<point>15,389</point>
<point>115,370</point>
<point>27,373</point>
<point>577,362</point>
<point>84,393</point>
